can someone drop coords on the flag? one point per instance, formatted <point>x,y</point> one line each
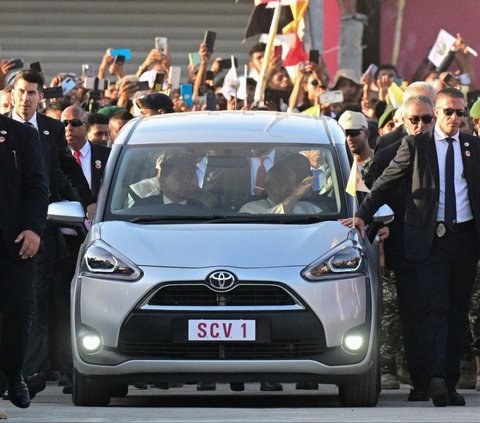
<point>355,182</point>
<point>230,82</point>
<point>291,27</point>
<point>261,18</point>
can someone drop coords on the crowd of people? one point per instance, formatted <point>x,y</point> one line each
<point>430,251</point>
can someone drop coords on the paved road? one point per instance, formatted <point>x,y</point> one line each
<point>187,405</point>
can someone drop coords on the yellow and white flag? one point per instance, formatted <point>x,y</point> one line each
<point>355,182</point>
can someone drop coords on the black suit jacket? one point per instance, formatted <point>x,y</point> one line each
<point>99,159</point>
<point>61,165</point>
<point>23,182</point>
<point>390,138</point>
<point>416,163</point>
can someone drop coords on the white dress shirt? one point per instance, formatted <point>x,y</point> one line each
<point>464,212</point>
<point>33,119</point>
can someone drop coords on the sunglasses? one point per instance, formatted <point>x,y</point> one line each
<point>353,132</point>
<point>415,120</point>
<point>449,112</point>
<point>74,122</point>
<point>316,83</point>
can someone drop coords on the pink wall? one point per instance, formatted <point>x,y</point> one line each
<point>331,35</point>
<point>421,22</point>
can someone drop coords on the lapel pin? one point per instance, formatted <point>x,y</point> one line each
<point>2,139</point>
<point>467,153</point>
<point>98,164</point>
<point>46,132</point>
<point>3,132</point>
<point>466,144</point>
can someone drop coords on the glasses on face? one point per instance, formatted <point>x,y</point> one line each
<point>449,111</point>
<point>316,83</point>
<point>74,122</point>
<point>426,119</point>
<point>353,132</point>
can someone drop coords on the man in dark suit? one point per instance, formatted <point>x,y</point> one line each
<point>92,158</point>
<point>23,212</point>
<point>441,232</point>
<point>61,166</point>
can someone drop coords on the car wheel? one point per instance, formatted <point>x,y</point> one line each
<point>364,391</point>
<point>89,393</point>
<point>119,391</point>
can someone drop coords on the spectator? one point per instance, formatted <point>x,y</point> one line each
<point>117,122</point>
<point>6,100</point>
<point>98,129</point>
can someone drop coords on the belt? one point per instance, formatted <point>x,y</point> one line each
<point>443,229</point>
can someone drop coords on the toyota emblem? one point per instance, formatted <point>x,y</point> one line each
<point>221,281</point>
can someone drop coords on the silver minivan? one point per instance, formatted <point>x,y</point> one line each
<point>198,269</point>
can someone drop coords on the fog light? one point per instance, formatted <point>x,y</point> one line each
<point>353,342</point>
<point>91,342</point>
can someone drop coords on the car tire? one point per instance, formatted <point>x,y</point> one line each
<point>89,393</point>
<point>119,391</point>
<point>364,391</point>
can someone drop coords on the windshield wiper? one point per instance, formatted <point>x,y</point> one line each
<point>270,218</point>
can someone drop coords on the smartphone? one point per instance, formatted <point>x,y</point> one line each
<point>277,52</point>
<point>120,59</point>
<point>209,75</point>
<point>211,101</point>
<point>87,70</point>
<point>93,83</point>
<point>36,67</point>
<point>161,44</point>
<point>209,40</point>
<point>142,86</point>
<point>450,80</point>
<point>121,52</point>
<point>174,77</point>
<point>227,63</point>
<point>194,59</point>
<point>314,56</point>
<point>335,96</point>
<point>464,79</point>
<point>186,91</point>
<point>158,83</point>
<point>17,64</point>
<point>372,69</point>
<point>52,92</point>
<point>68,85</point>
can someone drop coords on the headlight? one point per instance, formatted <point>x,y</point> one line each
<point>102,261</point>
<point>346,257</point>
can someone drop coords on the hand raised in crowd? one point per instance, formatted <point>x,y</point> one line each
<point>155,56</point>
<point>107,60</point>
<point>216,67</point>
<point>367,108</point>
<point>204,53</point>
<point>6,66</point>
<point>383,83</point>
<point>126,90</point>
<point>30,244</point>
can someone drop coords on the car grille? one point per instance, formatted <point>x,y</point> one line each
<point>239,350</point>
<point>241,295</point>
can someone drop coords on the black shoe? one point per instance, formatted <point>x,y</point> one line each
<point>206,386</point>
<point>35,383</point>
<point>67,389</point>
<point>417,395</point>
<point>18,393</point>
<point>271,386</point>
<point>438,392</point>
<point>53,376</point>
<point>456,399</point>
<point>306,386</point>
<point>63,380</point>
<point>237,386</point>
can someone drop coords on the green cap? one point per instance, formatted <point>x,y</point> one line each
<point>475,110</point>
<point>387,116</point>
<point>109,110</point>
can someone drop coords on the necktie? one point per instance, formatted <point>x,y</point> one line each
<point>450,203</point>
<point>76,154</point>
<point>259,188</point>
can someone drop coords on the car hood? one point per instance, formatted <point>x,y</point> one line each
<point>228,245</point>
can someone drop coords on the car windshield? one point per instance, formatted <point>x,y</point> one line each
<point>225,182</point>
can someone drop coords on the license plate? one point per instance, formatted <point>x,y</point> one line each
<point>221,330</point>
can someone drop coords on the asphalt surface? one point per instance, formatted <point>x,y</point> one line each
<point>185,404</point>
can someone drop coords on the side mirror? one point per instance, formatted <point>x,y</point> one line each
<point>66,212</point>
<point>384,215</point>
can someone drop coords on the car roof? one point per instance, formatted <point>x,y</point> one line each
<point>232,126</point>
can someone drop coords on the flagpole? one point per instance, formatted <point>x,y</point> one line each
<point>262,79</point>
<point>245,75</point>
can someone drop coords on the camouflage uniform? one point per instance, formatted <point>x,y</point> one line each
<point>474,315</point>
<point>391,338</point>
